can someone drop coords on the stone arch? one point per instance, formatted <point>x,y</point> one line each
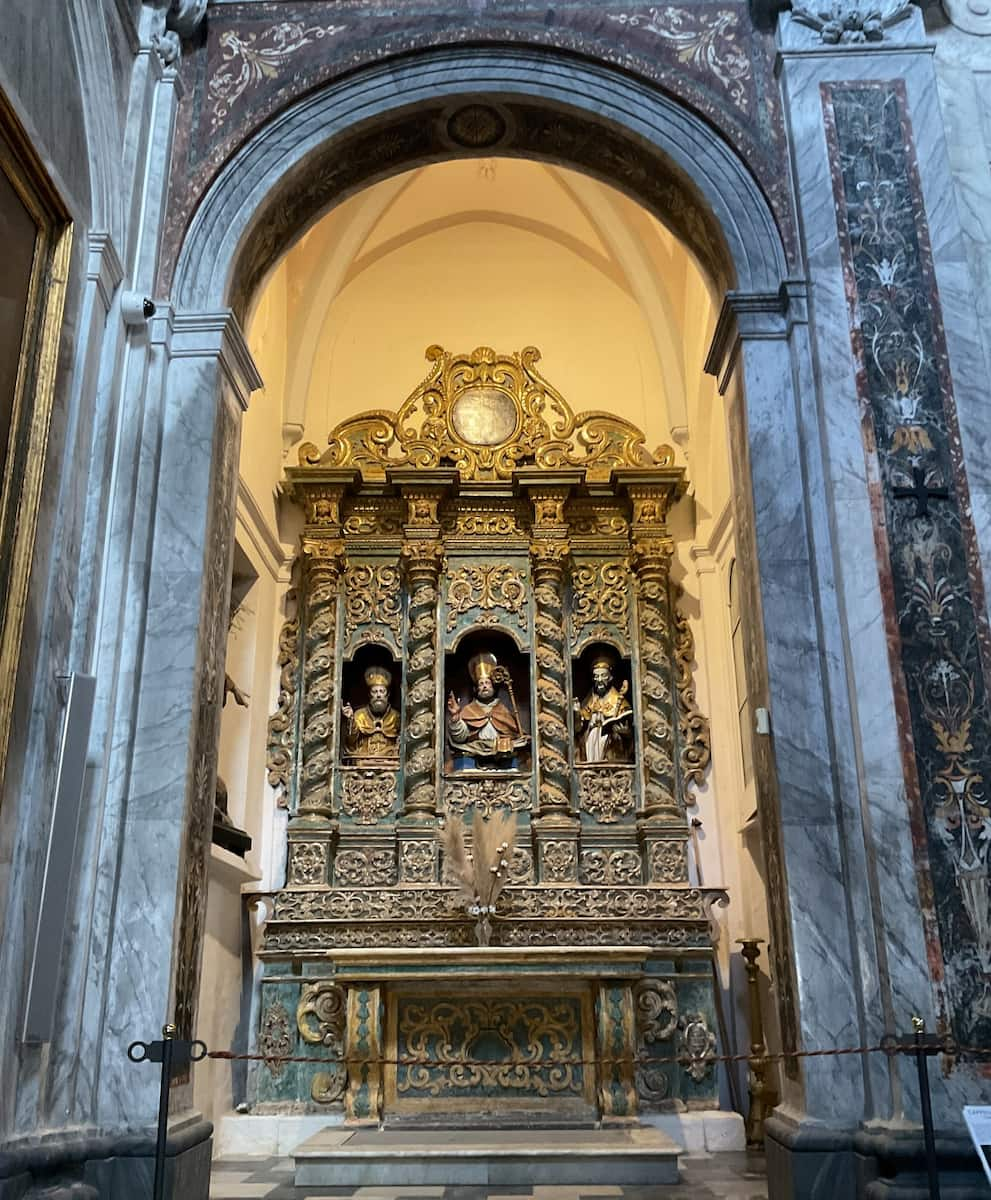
<point>539,104</point>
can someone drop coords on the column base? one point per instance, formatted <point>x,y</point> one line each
<point>110,1167</point>
<point>812,1162</point>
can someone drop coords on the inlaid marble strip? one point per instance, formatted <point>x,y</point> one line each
<point>939,643</point>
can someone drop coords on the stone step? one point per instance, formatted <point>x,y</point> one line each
<point>341,1157</point>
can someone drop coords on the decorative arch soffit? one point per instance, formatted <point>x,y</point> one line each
<point>468,101</point>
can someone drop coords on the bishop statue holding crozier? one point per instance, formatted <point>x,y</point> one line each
<point>485,733</point>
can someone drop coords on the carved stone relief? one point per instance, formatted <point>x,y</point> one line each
<point>601,594</point>
<point>609,867</point>
<point>487,589</point>
<point>698,1043</point>
<point>275,1038</point>
<point>307,862</point>
<point>606,793</point>
<point>282,721</point>
<point>372,596</point>
<point>695,750</point>
<point>417,861</point>
<point>557,861</point>
<point>667,861</point>
<point>486,796</point>
<point>368,795</point>
<point>365,868</point>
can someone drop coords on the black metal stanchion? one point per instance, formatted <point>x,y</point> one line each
<point>925,1045</point>
<point>175,1055</point>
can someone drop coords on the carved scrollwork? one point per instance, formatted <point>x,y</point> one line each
<point>380,517</point>
<point>696,746</point>
<point>320,1014</point>
<point>609,867</point>
<point>657,1010</point>
<point>482,522</point>
<point>321,1020</point>
<point>365,868</point>
<point>487,589</point>
<point>606,792</point>
<point>372,596</point>
<point>307,863</point>
<point>486,796</point>
<point>539,1038</point>
<point>275,1037</point>
<point>601,594</point>
<point>368,796</point>
<point>697,1044</point>
<point>282,722</point>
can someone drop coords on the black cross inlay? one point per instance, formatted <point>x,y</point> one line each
<point>920,492</point>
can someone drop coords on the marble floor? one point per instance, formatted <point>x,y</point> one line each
<point>707,1177</point>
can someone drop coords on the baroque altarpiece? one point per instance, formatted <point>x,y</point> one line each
<point>485,624</point>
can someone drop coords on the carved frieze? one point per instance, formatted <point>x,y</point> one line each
<point>368,796</point>
<point>381,517</point>
<point>610,867</point>
<point>486,796</point>
<point>521,866</point>
<point>606,792</point>
<point>657,1010</point>
<point>487,589</point>
<point>365,868</point>
<point>444,903</point>
<point>467,520</point>
<point>372,597</point>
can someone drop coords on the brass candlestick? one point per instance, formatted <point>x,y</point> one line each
<point>762,1095</point>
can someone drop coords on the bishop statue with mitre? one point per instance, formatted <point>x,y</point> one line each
<point>604,720</point>
<point>484,732</point>
<point>373,730</point>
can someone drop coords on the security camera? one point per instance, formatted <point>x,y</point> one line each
<point>136,309</point>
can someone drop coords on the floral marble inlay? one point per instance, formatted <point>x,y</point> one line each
<point>931,582</point>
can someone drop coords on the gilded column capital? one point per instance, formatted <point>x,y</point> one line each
<point>323,554</point>
<point>652,553</point>
<point>422,557</point>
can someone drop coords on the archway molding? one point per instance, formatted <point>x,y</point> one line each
<point>528,102</point>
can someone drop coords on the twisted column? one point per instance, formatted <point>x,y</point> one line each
<point>651,560</point>
<point>550,559</point>
<point>323,560</point>
<point>423,562</point>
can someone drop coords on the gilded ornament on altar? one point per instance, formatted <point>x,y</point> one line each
<point>521,866</point>
<point>464,521</point>
<point>600,867</point>
<point>485,796</point>
<point>487,589</point>
<point>601,593</point>
<point>307,863</point>
<point>516,419</point>
<point>365,868</point>
<point>530,1047</point>
<point>320,1019</point>
<point>485,733</point>
<point>368,795</point>
<point>605,792</point>
<point>696,749</point>
<point>372,596</point>
<point>275,1038</point>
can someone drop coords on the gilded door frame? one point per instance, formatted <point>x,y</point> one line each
<point>34,390</point>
